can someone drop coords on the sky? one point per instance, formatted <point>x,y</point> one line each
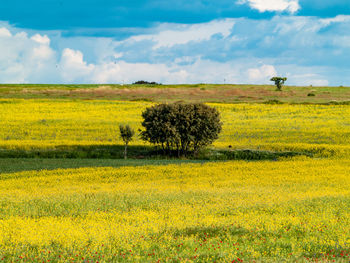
<point>175,41</point>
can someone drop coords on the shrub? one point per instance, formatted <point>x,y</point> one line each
<point>143,82</point>
<point>126,134</point>
<point>181,127</point>
<point>273,102</point>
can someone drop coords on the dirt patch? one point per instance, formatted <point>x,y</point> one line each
<point>189,93</point>
<point>144,92</point>
<point>159,94</point>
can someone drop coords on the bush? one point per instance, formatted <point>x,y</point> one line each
<point>143,82</point>
<point>273,102</point>
<point>181,127</point>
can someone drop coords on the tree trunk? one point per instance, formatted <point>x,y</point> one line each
<point>178,150</point>
<point>195,150</point>
<point>125,151</point>
<point>163,148</point>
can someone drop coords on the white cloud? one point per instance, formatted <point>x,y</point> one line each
<point>234,50</point>
<point>308,79</point>
<point>23,59</point>
<point>42,53</point>
<point>73,67</point>
<point>182,34</point>
<point>290,6</point>
<point>4,32</point>
<point>337,19</point>
<point>122,71</point>
<point>317,82</point>
<point>261,74</point>
<point>207,71</point>
<point>45,40</point>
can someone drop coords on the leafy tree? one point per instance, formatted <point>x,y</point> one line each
<point>143,82</point>
<point>279,81</point>
<point>126,134</point>
<point>181,127</point>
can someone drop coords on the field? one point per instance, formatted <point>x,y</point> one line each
<point>60,124</point>
<point>195,93</point>
<point>145,209</point>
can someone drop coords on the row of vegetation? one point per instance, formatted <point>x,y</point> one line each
<point>89,129</point>
<point>178,128</point>
<point>279,82</point>
<point>175,130</point>
<point>181,129</point>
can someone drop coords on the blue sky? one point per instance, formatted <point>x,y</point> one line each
<point>199,41</point>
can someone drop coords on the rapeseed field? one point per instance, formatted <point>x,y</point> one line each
<point>290,210</point>
<point>28,124</point>
<point>286,210</point>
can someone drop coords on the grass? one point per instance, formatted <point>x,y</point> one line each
<point>169,93</point>
<point>142,153</point>
<point>11,165</point>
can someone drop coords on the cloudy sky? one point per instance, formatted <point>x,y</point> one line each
<point>175,41</point>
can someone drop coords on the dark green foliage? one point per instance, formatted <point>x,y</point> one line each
<point>79,152</point>
<point>333,102</point>
<point>141,153</point>
<point>279,81</point>
<point>29,164</point>
<point>250,155</point>
<point>142,82</point>
<point>273,102</point>
<point>181,127</point>
<point>311,94</point>
<point>126,134</point>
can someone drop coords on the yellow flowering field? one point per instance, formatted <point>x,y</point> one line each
<point>287,210</point>
<point>295,210</point>
<point>27,124</point>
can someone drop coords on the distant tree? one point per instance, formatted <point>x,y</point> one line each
<point>126,134</point>
<point>181,127</point>
<point>143,82</point>
<point>279,81</point>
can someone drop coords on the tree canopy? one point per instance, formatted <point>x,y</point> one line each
<point>279,81</point>
<point>181,127</point>
<point>126,134</point>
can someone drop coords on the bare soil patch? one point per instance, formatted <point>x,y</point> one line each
<point>171,93</point>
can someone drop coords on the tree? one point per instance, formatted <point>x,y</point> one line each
<point>143,82</point>
<point>126,134</point>
<point>279,81</point>
<point>181,127</point>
